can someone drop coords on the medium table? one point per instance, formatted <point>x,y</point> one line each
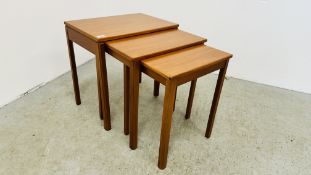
<point>130,51</point>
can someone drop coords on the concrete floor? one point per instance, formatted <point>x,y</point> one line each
<point>258,130</point>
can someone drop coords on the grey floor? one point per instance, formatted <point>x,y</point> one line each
<point>258,130</point>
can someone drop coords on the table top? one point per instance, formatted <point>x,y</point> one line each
<point>153,44</point>
<point>114,27</point>
<point>185,61</point>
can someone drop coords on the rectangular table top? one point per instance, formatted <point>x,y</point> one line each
<point>153,44</point>
<point>113,27</point>
<point>185,61</point>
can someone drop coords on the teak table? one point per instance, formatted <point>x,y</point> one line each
<point>130,51</point>
<point>92,34</point>
<point>177,68</point>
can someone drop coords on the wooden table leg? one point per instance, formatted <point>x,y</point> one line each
<point>156,86</point>
<point>220,80</point>
<point>190,98</point>
<point>99,97</point>
<point>175,99</point>
<point>134,96</point>
<point>126,72</point>
<point>156,89</point>
<point>168,106</point>
<point>73,71</point>
<point>103,85</point>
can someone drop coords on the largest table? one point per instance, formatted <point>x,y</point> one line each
<point>92,34</point>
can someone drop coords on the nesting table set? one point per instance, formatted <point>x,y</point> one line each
<point>155,47</point>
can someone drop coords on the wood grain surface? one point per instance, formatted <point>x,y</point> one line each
<point>114,27</point>
<point>153,44</point>
<point>185,61</point>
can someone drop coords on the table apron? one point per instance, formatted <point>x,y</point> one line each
<point>81,40</point>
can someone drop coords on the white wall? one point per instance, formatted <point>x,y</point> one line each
<point>270,39</point>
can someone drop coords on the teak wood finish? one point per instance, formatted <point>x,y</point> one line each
<point>132,50</point>
<point>92,34</point>
<point>190,98</point>
<point>153,46</point>
<point>149,45</point>
<point>176,68</point>
<point>115,27</point>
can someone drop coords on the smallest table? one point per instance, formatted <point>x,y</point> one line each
<point>177,68</point>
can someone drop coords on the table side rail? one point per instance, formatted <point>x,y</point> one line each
<point>81,40</point>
